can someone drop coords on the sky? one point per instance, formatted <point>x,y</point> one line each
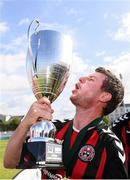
<point>100,31</point>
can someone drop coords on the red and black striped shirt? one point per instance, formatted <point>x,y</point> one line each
<point>121,127</point>
<point>94,152</point>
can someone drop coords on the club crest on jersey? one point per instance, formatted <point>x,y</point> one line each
<point>86,153</point>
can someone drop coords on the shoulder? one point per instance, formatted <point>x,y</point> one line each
<point>60,123</point>
<point>112,143</point>
<point>122,120</point>
<point>107,134</point>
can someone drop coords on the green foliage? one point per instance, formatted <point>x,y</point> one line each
<point>9,125</point>
<point>14,123</point>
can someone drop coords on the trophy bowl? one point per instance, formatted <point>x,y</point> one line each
<point>48,62</point>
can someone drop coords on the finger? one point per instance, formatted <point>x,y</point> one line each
<point>42,109</point>
<point>45,107</point>
<point>44,100</point>
<point>45,115</point>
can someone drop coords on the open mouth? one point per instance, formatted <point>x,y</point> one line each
<point>77,86</point>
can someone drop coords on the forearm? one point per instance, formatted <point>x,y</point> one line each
<point>14,147</point>
<point>41,108</point>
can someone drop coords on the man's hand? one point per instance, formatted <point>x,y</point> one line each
<point>40,109</point>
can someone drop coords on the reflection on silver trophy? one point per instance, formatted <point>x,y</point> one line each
<point>48,62</point>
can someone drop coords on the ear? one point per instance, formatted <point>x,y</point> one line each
<point>105,97</point>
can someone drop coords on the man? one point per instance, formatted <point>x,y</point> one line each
<point>90,149</point>
<point>121,128</point>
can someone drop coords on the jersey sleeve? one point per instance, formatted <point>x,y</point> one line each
<point>120,125</point>
<point>115,164</point>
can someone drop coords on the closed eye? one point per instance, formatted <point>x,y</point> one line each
<point>91,79</point>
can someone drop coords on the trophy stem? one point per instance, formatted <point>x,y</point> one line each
<point>44,130</point>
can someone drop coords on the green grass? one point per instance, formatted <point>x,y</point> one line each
<point>5,173</point>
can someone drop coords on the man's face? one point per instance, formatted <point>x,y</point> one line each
<point>88,90</point>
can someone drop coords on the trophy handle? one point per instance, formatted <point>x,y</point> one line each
<point>28,36</point>
<point>34,21</point>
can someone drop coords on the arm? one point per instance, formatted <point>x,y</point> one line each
<point>41,108</point>
<point>14,147</point>
<point>115,170</point>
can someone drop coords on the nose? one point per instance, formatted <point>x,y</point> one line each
<point>83,79</point>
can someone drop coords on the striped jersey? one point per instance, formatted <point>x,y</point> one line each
<point>93,153</point>
<point>121,127</point>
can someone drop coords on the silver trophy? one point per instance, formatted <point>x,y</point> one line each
<point>48,62</point>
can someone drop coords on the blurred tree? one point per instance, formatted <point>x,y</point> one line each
<point>10,125</point>
<point>14,123</point>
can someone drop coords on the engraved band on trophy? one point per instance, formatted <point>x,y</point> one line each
<point>48,63</point>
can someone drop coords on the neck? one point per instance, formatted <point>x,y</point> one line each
<point>83,117</point>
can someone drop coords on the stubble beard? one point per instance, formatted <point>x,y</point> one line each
<point>74,100</point>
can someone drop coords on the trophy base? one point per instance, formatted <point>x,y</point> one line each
<point>41,155</point>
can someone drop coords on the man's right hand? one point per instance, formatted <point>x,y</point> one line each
<point>40,109</point>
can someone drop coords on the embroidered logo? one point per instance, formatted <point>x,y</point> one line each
<point>86,153</point>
